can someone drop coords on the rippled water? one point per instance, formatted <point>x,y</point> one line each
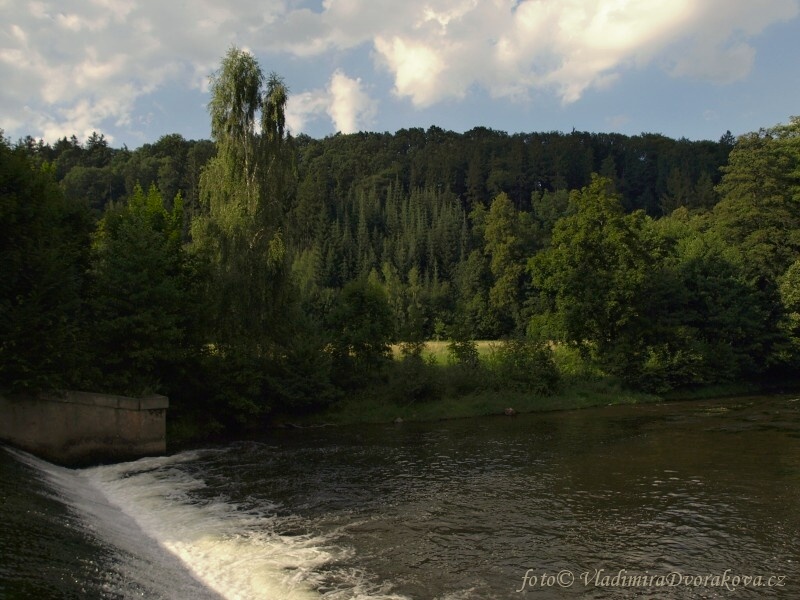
<point>452,510</point>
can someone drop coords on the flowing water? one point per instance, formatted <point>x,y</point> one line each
<point>683,500</point>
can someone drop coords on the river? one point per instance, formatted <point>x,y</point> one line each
<point>674,500</point>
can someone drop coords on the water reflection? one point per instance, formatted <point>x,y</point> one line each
<point>467,507</point>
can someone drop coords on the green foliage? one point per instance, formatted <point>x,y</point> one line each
<point>505,230</point>
<point>361,325</point>
<point>594,275</point>
<point>300,376</point>
<point>660,306</point>
<point>238,231</point>
<point>669,366</point>
<point>244,190</point>
<point>414,379</point>
<point>94,185</point>
<point>312,255</point>
<point>524,365</point>
<point>236,393</point>
<point>732,317</point>
<point>43,249</point>
<point>367,201</point>
<point>466,371</point>
<point>548,207</point>
<point>760,207</point>
<point>464,353</point>
<point>140,302</point>
<point>790,299</point>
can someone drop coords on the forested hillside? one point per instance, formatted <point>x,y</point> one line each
<point>414,207</point>
<point>257,271</point>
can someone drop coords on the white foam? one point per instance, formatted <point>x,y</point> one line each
<point>236,553</point>
<point>172,546</point>
<point>139,567</point>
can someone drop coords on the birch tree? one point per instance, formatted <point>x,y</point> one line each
<point>244,191</point>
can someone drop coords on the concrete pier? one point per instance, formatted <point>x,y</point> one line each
<point>81,428</point>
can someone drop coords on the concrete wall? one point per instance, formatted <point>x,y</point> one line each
<point>80,428</point>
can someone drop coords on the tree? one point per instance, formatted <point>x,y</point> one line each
<point>547,208</point>
<point>704,195</point>
<point>504,245</point>
<point>472,279</point>
<point>361,322</point>
<point>524,365</point>
<point>759,210</point>
<point>97,152</point>
<point>140,303</point>
<point>715,324</point>
<point>244,191</point>
<point>658,303</point>
<point>594,279</point>
<point>43,242</point>
<point>679,190</point>
<point>790,298</point>
<point>94,186</point>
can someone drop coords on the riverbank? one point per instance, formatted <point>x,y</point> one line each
<point>369,407</point>
<point>576,395</point>
<point>433,389</point>
<point>581,385</point>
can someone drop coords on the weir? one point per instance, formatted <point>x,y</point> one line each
<point>82,428</point>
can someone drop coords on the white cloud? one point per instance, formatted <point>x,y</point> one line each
<point>351,108</point>
<point>304,107</point>
<point>77,65</point>
<point>344,101</point>
<point>74,66</point>
<point>417,69</point>
<point>718,50</point>
<point>437,49</point>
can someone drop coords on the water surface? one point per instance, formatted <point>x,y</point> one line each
<point>451,510</point>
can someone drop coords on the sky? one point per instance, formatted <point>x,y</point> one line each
<point>135,70</point>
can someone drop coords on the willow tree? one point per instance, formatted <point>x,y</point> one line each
<point>244,191</point>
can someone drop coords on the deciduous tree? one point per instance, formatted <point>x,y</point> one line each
<point>244,189</point>
<point>140,303</point>
<point>43,253</point>
<point>595,277</point>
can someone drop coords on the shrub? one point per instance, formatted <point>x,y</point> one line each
<point>464,353</point>
<point>414,380</point>
<point>524,365</point>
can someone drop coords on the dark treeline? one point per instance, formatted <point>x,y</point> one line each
<point>650,171</point>
<point>259,272</point>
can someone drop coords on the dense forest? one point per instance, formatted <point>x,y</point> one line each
<point>259,272</point>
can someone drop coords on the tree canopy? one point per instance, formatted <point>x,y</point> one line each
<point>258,272</point>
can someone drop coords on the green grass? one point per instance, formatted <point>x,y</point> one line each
<point>437,351</point>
